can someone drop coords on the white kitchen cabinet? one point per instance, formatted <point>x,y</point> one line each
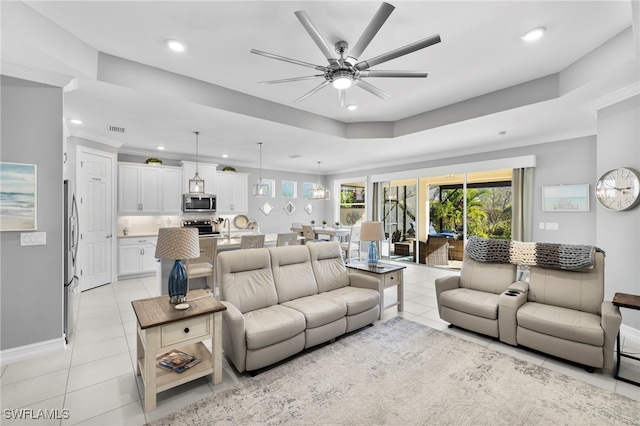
<point>139,188</point>
<point>233,192</point>
<point>206,171</point>
<point>172,190</point>
<point>151,189</point>
<point>136,255</point>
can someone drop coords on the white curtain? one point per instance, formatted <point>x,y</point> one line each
<point>522,211</point>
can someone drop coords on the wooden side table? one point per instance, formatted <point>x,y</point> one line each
<point>389,276</point>
<point>628,301</point>
<point>162,328</point>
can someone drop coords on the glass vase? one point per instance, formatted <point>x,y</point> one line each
<point>373,253</point>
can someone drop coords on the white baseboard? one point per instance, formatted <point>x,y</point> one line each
<point>630,333</point>
<point>9,356</point>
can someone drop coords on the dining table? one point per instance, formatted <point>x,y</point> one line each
<point>333,233</point>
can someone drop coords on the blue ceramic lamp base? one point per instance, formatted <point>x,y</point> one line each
<point>178,284</point>
<point>373,254</point>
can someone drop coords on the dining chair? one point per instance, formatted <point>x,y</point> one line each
<point>252,241</point>
<point>308,234</point>
<point>296,225</point>
<point>204,266</point>
<point>287,239</point>
<point>352,244</point>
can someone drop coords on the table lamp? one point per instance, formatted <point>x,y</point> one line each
<point>178,244</point>
<point>373,232</point>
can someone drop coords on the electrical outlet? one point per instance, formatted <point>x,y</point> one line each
<point>158,221</point>
<point>541,225</point>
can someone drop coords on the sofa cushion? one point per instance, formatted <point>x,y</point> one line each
<point>473,302</point>
<point>328,266</point>
<point>271,325</point>
<point>485,276</point>
<point>357,299</point>
<point>292,272</point>
<point>246,279</point>
<point>579,290</point>
<point>319,309</point>
<point>560,322</point>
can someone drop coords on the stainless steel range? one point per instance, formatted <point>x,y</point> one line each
<point>204,226</point>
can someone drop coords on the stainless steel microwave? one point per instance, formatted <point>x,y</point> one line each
<point>198,203</point>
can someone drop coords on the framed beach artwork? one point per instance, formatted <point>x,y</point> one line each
<point>289,189</point>
<point>565,198</point>
<point>18,197</point>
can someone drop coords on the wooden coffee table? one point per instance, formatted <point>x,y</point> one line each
<point>162,328</point>
<point>629,301</point>
<point>389,276</point>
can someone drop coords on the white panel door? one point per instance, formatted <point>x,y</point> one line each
<point>95,183</point>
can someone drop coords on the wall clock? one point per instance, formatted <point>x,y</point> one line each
<point>619,189</point>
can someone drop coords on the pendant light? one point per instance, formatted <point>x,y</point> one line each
<point>318,192</point>
<point>196,185</point>
<point>260,189</point>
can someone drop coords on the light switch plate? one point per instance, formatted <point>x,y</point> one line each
<point>33,238</point>
<point>551,226</point>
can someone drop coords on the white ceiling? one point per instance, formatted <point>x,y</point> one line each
<point>481,52</point>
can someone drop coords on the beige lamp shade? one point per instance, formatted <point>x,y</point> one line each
<point>372,231</point>
<point>178,243</point>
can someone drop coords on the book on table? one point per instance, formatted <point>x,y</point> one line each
<point>177,361</point>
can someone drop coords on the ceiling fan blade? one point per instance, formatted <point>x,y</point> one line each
<point>342,97</point>
<point>304,19</point>
<point>285,59</point>
<point>371,89</point>
<point>287,80</point>
<point>392,74</point>
<point>370,32</point>
<point>401,51</point>
<point>315,89</point>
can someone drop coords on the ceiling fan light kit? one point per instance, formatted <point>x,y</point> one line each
<point>343,72</point>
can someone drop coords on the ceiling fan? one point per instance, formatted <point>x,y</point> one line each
<point>343,71</point>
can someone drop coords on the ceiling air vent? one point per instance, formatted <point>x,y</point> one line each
<point>116,129</point>
<point>295,156</point>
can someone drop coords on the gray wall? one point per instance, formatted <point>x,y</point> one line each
<point>552,168</point>
<point>618,233</point>
<point>31,276</point>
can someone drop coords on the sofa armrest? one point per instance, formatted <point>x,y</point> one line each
<point>508,304</point>
<point>521,286</point>
<point>234,341</point>
<point>610,320</point>
<point>365,281</point>
<point>443,284</point>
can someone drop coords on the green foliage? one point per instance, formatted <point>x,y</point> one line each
<point>488,212</point>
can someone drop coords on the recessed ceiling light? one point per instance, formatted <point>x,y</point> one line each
<point>534,34</point>
<point>225,155</point>
<point>160,148</point>
<point>75,121</point>
<point>175,45</point>
<point>352,107</point>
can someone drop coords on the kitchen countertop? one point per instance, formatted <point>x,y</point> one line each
<point>141,235</point>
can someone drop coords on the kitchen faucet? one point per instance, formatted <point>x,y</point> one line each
<point>228,223</point>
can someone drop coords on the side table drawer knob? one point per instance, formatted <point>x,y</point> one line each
<point>186,330</point>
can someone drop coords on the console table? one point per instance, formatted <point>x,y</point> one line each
<point>389,276</point>
<point>161,328</point>
<point>628,301</point>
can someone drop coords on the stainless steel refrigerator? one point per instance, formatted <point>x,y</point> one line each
<point>71,239</point>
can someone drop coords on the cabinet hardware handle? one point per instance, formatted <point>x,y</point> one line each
<point>186,330</point>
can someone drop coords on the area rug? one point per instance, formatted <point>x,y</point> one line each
<point>402,373</point>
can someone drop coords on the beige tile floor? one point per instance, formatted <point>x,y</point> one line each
<point>94,379</point>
